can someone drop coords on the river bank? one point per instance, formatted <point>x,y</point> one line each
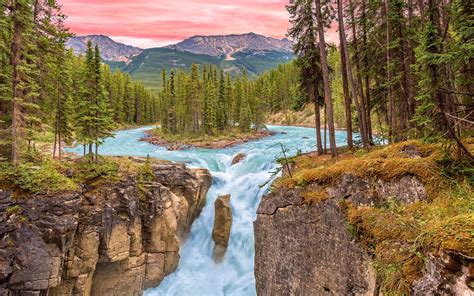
<point>182,142</point>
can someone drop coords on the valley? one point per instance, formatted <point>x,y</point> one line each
<point>331,153</point>
<point>250,52</point>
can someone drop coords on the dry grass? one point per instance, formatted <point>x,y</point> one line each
<point>399,236</point>
<point>384,163</point>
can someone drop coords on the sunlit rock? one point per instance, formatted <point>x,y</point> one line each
<point>222,226</point>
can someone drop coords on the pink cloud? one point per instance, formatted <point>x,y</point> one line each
<point>149,23</point>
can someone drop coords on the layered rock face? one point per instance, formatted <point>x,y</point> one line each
<point>111,240</point>
<point>222,226</point>
<point>306,249</point>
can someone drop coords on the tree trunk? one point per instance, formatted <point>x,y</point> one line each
<point>325,130</point>
<point>55,143</point>
<point>345,86</point>
<point>91,153</point>
<point>58,123</point>
<point>392,113</point>
<point>317,116</point>
<point>16,80</point>
<point>366,74</point>
<point>326,82</point>
<point>357,82</point>
<point>59,146</point>
<point>352,88</point>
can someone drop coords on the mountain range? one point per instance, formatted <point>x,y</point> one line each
<point>109,49</point>
<point>251,52</point>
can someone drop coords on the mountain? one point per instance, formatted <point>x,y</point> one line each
<point>233,53</point>
<point>228,45</point>
<point>109,50</point>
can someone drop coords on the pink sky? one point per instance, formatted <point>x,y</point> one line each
<point>151,23</point>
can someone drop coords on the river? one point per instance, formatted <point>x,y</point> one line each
<point>197,274</point>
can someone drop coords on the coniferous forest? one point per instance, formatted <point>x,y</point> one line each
<point>369,194</point>
<point>406,67</point>
<point>44,87</point>
<point>208,101</point>
<point>403,69</point>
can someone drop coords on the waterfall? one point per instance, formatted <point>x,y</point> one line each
<point>197,274</point>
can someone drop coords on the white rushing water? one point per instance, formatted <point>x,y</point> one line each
<point>197,274</point>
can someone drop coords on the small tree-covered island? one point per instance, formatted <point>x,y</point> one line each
<point>161,149</point>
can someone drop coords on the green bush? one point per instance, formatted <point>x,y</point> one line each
<point>35,177</point>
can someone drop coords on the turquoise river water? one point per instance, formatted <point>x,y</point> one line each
<point>197,273</point>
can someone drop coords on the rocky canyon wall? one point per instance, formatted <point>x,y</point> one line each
<point>115,239</point>
<point>308,248</point>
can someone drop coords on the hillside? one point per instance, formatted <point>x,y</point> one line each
<point>110,50</point>
<point>234,53</point>
<point>148,66</point>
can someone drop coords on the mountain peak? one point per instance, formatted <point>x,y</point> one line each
<point>109,49</point>
<point>227,45</point>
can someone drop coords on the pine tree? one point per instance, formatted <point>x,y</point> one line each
<point>304,32</point>
<point>221,104</point>
<point>63,128</point>
<point>24,118</point>
<point>103,124</point>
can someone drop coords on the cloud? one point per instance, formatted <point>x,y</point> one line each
<point>149,23</point>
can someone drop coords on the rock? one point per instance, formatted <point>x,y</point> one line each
<point>307,249</point>
<point>407,189</point>
<point>238,158</point>
<point>410,151</point>
<point>439,278</point>
<point>110,240</point>
<point>222,226</point>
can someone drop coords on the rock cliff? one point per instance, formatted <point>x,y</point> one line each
<point>115,239</point>
<point>309,247</point>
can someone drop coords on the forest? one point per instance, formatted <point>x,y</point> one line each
<point>209,101</point>
<point>405,65</point>
<point>401,70</point>
<point>374,199</point>
<point>45,89</point>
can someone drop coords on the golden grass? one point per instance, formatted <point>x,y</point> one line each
<point>385,163</point>
<point>310,196</point>
<point>399,236</point>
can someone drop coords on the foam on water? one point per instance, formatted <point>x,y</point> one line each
<point>197,274</point>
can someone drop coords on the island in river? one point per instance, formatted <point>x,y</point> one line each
<point>186,141</point>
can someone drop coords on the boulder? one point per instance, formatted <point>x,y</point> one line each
<point>444,275</point>
<point>222,226</point>
<point>238,158</point>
